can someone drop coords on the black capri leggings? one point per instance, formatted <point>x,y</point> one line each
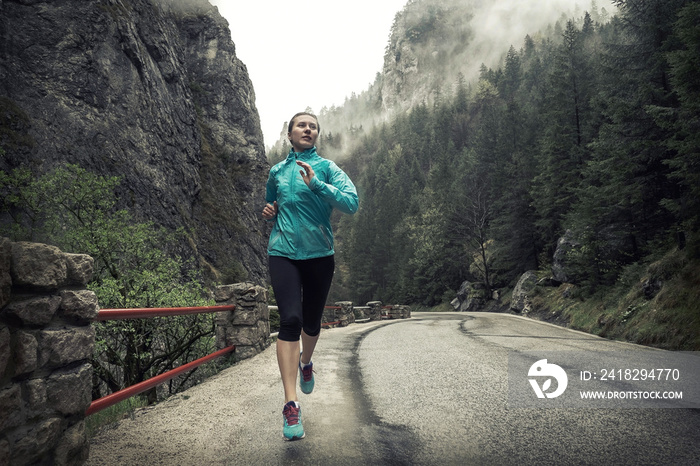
<point>301,288</point>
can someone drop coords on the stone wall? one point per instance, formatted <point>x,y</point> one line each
<point>398,311</point>
<point>46,342</point>
<point>248,326</point>
<point>375,310</point>
<point>341,315</point>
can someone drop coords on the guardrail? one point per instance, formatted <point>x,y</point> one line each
<point>146,313</point>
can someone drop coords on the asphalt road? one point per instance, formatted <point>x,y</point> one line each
<point>430,390</point>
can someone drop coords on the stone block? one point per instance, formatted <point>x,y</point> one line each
<point>240,292</point>
<point>34,311</point>
<point>250,292</point>
<point>37,442</point>
<point>73,447</point>
<point>62,347</point>
<point>246,336</point>
<point>224,293</point>
<point>36,394</point>
<point>79,268</point>
<point>263,330</point>
<point>69,392</point>
<point>26,353</point>
<point>245,316</point>
<point>4,348</point>
<point>80,305</point>
<point>11,413</point>
<point>375,310</point>
<point>245,352</point>
<point>38,265</point>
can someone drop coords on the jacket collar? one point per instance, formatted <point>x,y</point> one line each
<point>305,155</point>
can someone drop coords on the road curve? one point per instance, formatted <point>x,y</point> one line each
<point>432,389</point>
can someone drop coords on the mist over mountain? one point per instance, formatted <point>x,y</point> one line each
<point>435,44</point>
<point>432,42</point>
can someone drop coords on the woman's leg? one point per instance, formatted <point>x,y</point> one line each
<point>316,278</point>
<point>286,283</point>
<point>308,344</point>
<point>288,361</point>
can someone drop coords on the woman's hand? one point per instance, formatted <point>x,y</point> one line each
<point>307,173</point>
<point>270,211</point>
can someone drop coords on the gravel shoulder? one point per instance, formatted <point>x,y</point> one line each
<point>200,425</point>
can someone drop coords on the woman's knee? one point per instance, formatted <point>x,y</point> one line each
<point>312,331</point>
<point>290,329</point>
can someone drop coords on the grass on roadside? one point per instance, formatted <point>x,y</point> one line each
<point>112,414</point>
<point>670,319</point>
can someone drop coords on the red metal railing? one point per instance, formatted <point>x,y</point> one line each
<point>144,313</point>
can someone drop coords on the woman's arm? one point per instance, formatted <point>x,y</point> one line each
<point>339,192</point>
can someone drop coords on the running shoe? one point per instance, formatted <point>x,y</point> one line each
<point>293,430</point>
<point>306,377</point>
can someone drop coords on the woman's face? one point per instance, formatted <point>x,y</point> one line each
<point>304,133</point>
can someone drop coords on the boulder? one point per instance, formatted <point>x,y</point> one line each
<point>522,293</point>
<point>470,297</point>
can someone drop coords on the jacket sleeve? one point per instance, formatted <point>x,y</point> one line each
<point>339,192</point>
<point>271,188</point>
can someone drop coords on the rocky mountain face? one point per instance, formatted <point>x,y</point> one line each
<point>149,90</point>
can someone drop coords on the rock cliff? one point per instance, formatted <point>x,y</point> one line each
<point>152,91</point>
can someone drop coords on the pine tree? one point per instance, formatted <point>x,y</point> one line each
<point>684,123</point>
<point>619,214</point>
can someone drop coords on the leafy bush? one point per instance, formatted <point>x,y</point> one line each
<point>76,210</point>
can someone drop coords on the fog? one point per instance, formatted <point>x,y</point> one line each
<point>317,54</point>
<point>496,25</point>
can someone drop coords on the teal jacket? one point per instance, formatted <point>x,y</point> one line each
<point>302,228</point>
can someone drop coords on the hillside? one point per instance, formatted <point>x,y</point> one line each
<point>655,305</point>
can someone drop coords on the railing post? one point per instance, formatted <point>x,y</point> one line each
<point>46,342</point>
<point>248,326</point>
<point>399,311</point>
<point>375,310</point>
<point>345,315</point>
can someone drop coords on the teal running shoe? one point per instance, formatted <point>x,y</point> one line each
<point>293,430</point>
<point>306,377</point>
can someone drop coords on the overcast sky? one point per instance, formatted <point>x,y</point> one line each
<point>307,54</point>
